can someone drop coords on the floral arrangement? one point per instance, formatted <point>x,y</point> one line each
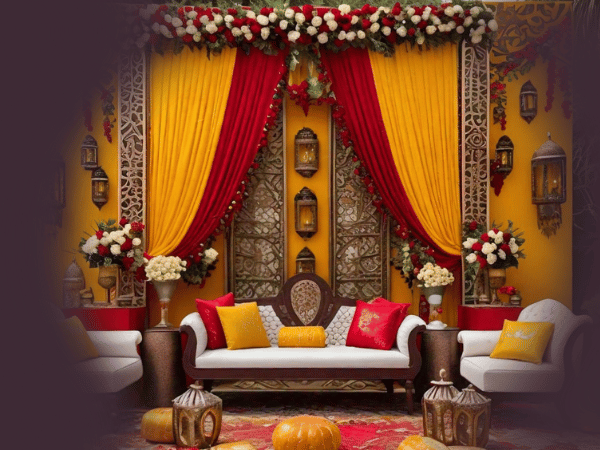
<point>493,248</point>
<point>411,255</point>
<point>114,243</point>
<point>199,267</point>
<point>163,268</point>
<point>432,275</point>
<point>508,290</point>
<point>269,28</point>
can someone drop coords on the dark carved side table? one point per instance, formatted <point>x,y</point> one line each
<point>164,378</point>
<point>439,350</point>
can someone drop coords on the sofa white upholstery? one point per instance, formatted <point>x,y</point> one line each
<point>504,375</point>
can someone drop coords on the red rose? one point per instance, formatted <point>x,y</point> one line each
<point>187,38</point>
<point>414,258</point>
<point>422,24</point>
<point>137,227</point>
<point>127,245</point>
<point>484,237</point>
<point>411,244</point>
<point>391,38</point>
<point>366,23</point>
<point>307,11</point>
<point>473,225</point>
<point>477,247</point>
<point>411,32</point>
<point>397,9</point>
<point>371,189</point>
<point>482,261</point>
<point>255,28</point>
<point>127,262</point>
<point>430,251</point>
<point>388,22</point>
<point>147,256</point>
<point>103,251</point>
<point>505,248</point>
<point>356,172</point>
<point>506,237</point>
<point>232,11</point>
<point>140,274</point>
<point>99,234</point>
<point>197,258</point>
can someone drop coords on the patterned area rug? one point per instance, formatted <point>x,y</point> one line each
<point>366,421</point>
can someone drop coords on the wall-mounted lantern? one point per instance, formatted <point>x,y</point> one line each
<point>528,99</point>
<point>549,185</point>
<point>306,151</point>
<point>89,153</point>
<point>305,203</point>
<point>305,261</point>
<point>99,187</point>
<point>504,155</point>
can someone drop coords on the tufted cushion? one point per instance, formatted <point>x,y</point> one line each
<point>271,322</point>
<point>157,425</point>
<point>337,330</point>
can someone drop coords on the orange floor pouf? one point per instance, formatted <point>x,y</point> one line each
<point>157,425</point>
<point>241,445</point>
<point>302,432</point>
<point>421,443</point>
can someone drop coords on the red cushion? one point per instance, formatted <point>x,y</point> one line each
<point>208,312</point>
<point>373,326</point>
<point>403,307</point>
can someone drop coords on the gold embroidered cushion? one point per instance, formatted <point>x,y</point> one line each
<point>523,341</point>
<point>302,337</point>
<point>374,325</point>
<point>77,339</point>
<point>243,326</point>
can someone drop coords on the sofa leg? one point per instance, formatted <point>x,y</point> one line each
<point>389,386</point>
<point>409,395</point>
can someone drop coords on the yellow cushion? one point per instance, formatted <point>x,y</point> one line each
<point>306,432</point>
<point>302,337</point>
<point>157,425</point>
<point>241,445</point>
<point>243,326</point>
<point>421,443</point>
<point>524,341</point>
<point>78,341</point>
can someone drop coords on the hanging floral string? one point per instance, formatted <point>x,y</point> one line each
<point>108,110</point>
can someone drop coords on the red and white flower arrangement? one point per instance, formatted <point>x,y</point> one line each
<point>267,27</point>
<point>411,255</point>
<point>164,268</point>
<point>114,243</point>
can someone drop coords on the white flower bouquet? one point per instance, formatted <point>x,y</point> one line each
<point>432,275</point>
<point>163,268</point>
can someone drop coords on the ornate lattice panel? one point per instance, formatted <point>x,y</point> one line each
<point>475,106</point>
<point>132,160</point>
<point>257,242</point>
<point>360,252</point>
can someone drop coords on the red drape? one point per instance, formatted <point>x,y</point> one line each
<point>354,87</point>
<point>253,85</point>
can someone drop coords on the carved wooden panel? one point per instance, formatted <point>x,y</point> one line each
<point>257,241</point>
<point>359,255</point>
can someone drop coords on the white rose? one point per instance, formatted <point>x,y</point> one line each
<point>262,20</point>
<point>481,22</point>
<point>165,31</point>
<point>191,29</point>
<point>250,14</point>
<point>136,241</point>
<point>328,16</point>
<point>245,29</point>
<point>218,18</point>
<point>425,15</point>
<point>498,239</point>
<point>293,36</point>
<point>283,24</point>
<point>264,32</point>
<point>514,248</point>
<point>415,19</point>
<point>342,35</point>
<point>488,248</point>
<point>345,9</point>
<point>354,20</point>
<point>168,18</point>
<point>451,24</point>
<point>248,36</point>
<point>475,11</point>
<point>177,22</point>
<point>332,24</point>
<point>476,39</point>
<point>458,9</point>
<point>300,18</point>
<point>374,28</point>
<point>317,21</point>
<point>401,31</point>
<point>204,20</point>
<point>420,39</point>
<point>211,28</point>
<point>493,25</point>
<point>236,32</point>
<point>468,21</point>
<point>273,17</point>
<point>430,29</point>
<point>491,258</point>
<point>460,29</point>
<point>374,17</point>
<point>449,11</point>
<point>229,18</point>
<point>155,27</point>
<point>105,241</point>
<point>322,38</point>
<point>410,11</point>
<point>471,258</point>
<point>501,254</point>
<point>115,249</point>
<point>311,30</point>
<point>197,37</point>
<point>361,34</point>
<point>121,240</point>
<point>289,13</point>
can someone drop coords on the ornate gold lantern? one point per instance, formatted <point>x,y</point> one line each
<point>305,202</point>
<point>306,151</point>
<point>549,185</point>
<point>437,410</point>
<point>99,187</point>
<point>528,100</point>
<point>197,418</point>
<point>472,417</point>
<point>504,155</point>
<point>73,283</point>
<point>305,261</point>
<point>89,153</point>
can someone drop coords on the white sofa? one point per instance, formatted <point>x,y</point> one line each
<point>512,376</point>
<point>335,361</point>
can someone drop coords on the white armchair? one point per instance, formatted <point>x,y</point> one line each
<point>511,376</point>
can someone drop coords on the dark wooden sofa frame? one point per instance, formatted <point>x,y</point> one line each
<point>327,309</point>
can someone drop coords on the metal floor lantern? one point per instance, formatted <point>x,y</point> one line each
<point>472,417</point>
<point>437,410</point>
<point>193,411</point>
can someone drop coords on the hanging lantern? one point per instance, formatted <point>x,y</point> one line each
<point>472,418</point>
<point>99,187</point>
<point>437,410</point>
<point>73,283</point>
<point>504,155</point>
<point>528,99</point>
<point>306,151</point>
<point>193,412</point>
<point>89,153</point>
<point>548,185</point>
<point>305,261</point>
<point>305,202</point>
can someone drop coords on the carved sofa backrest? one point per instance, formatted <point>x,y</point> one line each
<point>307,300</point>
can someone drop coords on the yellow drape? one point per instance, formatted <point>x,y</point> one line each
<point>188,98</point>
<point>418,96</point>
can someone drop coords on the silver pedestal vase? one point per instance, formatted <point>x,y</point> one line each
<point>165,290</point>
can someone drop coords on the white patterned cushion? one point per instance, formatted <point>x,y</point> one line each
<point>337,331</point>
<point>271,322</point>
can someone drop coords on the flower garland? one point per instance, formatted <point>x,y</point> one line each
<point>549,45</point>
<point>313,90</point>
<point>270,29</point>
<point>411,255</point>
<point>108,109</point>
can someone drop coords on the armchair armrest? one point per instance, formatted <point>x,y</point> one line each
<point>404,332</point>
<point>116,343</point>
<point>478,343</point>
<point>193,326</point>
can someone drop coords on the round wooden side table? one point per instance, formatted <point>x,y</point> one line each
<point>439,350</point>
<point>164,378</point>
